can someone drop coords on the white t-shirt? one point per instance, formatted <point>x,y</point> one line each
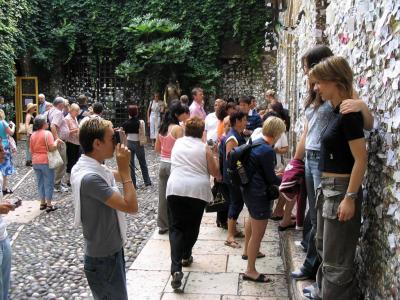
<point>3,225</point>
<point>281,143</point>
<point>189,174</point>
<point>211,124</point>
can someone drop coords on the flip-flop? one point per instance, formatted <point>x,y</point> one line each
<point>259,255</point>
<point>261,278</point>
<point>232,244</point>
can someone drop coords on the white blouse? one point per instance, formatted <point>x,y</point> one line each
<point>189,173</point>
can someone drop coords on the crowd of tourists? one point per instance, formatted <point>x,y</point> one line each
<point>238,153</point>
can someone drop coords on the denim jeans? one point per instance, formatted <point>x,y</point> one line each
<point>106,276</point>
<point>163,175</point>
<point>28,154</point>
<point>5,260</point>
<point>60,171</point>
<point>313,179</point>
<point>236,202</point>
<point>137,149</point>
<point>45,181</point>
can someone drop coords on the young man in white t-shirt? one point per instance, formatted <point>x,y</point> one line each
<point>211,122</point>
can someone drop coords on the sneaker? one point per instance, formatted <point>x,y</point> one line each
<point>176,281</point>
<point>28,163</point>
<point>64,189</point>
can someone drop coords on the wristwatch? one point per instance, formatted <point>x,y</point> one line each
<point>351,195</point>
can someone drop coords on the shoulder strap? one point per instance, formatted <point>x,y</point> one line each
<point>45,139</point>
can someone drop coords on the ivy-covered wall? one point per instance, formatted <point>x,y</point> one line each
<point>367,34</point>
<point>55,32</point>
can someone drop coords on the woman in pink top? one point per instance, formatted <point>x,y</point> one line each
<point>73,139</point>
<point>169,132</point>
<point>41,142</point>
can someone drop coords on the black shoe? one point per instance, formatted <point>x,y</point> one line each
<point>300,275</point>
<point>162,231</point>
<point>176,281</point>
<point>148,184</point>
<point>51,208</point>
<point>222,225</point>
<point>310,288</point>
<point>28,163</point>
<point>284,228</point>
<point>187,262</point>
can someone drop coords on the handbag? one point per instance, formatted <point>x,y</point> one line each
<point>54,157</point>
<point>22,128</point>
<point>218,203</point>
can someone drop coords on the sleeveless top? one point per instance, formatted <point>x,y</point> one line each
<point>155,107</point>
<point>189,173</point>
<point>167,143</point>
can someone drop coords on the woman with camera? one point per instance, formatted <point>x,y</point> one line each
<point>7,166</point>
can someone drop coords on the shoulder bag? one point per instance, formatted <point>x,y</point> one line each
<point>54,157</point>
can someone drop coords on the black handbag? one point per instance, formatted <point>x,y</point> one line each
<point>272,192</point>
<point>218,203</point>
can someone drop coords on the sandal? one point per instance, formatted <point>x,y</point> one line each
<point>259,255</point>
<point>51,208</point>
<point>261,278</point>
<point>43,206</point>
<point>232,244</point>
<point>7,191</point>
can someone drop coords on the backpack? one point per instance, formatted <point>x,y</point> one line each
<point>238,160</point>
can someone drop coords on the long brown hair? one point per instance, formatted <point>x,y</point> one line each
<point>337,70</point>
<point>311,58</point>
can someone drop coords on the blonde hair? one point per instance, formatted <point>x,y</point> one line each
<point>270,93</point>
<point>75,107</point>
<point>273,127</point>
<point>2,115</point>
<point>335,69</point>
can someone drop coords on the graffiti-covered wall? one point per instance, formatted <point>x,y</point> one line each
<point>367,34</point>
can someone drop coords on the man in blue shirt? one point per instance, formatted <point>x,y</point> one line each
<point>42,104</point>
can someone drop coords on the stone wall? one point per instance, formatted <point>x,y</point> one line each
<point>238,79</point>
<point>367,33</point>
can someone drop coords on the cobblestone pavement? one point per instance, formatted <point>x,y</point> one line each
<point>47,252</point>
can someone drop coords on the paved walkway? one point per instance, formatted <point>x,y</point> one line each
<point>215,272</point>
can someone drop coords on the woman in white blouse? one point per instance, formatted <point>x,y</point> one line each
<point>188,192</point>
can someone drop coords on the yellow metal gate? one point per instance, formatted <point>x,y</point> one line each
<point>26,91</point>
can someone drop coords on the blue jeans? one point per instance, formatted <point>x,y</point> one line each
<point>28,154</point>
<point>106,276</point>
<point>5,261</point>
<point>313,180</point>
<point>45,181</point>
<point>139,151</point>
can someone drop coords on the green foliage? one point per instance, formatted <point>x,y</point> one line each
<point>152,37</point>
<point>11,14</point>
<point>152,50</point>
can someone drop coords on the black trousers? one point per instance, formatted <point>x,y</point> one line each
<point>222,215</point>
<point>184,217</point>
<point>73,154</point>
